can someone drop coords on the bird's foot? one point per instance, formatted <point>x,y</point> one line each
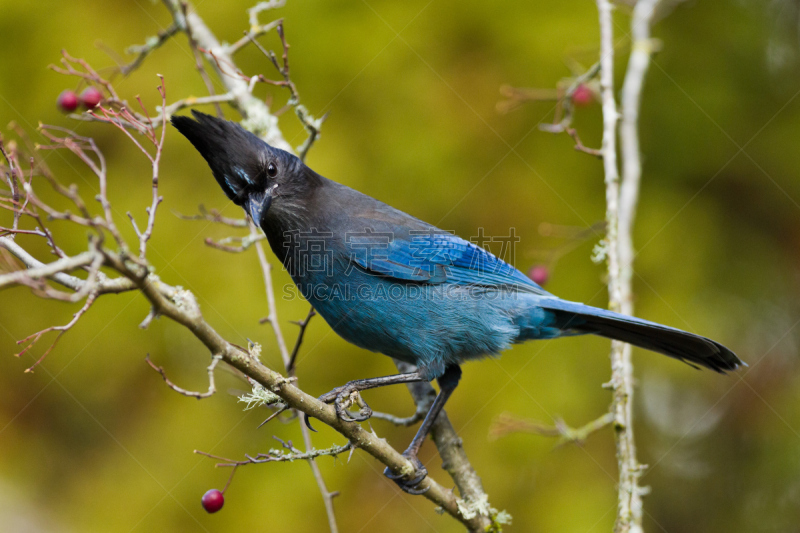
<point>343,398</point>
<point>410,482</point>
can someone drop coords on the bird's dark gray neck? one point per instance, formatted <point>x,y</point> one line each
<point>297,223</point>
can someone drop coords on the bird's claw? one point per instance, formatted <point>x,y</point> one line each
<point>345,400</point>
<point>410,485</point>
<point>342,398</point>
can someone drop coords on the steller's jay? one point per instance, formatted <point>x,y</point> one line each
<point>393,284</point>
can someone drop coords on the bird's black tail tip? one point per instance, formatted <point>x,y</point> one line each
<point>690,348</point>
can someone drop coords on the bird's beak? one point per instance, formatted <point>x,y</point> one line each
<point>258,204</point>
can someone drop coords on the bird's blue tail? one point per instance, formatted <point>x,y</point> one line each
<point>574,318</point>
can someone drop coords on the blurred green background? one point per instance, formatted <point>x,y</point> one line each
<point>94,441</point>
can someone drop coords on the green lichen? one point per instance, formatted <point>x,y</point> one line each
<point>260,396</point>
<point>470,509</point>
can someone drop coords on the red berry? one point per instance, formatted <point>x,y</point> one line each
<point>67,101</point>
<point>213,501</point>
<point>91,97</point>
<point>582,96</point>
<point>539,274</point>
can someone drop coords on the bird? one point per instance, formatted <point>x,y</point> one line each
<point>390,283</point>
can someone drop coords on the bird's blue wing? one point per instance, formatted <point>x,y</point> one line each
<point>434,256</point>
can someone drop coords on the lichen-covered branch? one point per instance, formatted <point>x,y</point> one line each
<point>629,502</point>
<point>620,211</point>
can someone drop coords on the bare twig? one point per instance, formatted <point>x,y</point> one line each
<point>66,264</point>
<point>245,242</point>
<point>272,318</point>
<point>104,285</point>
<point>507,423</point>
<point>327,495</point>
<point>199,395</point>
<point>215,216</point>
<point>263,6</point>
<point>144,50</point>
<point>579,146</point>
<point>61,330</point>
<point>311,124</point>
<point>254,32</point>
<point>303,324</point>
<point>116,118</point>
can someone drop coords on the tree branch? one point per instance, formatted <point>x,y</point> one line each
<point>620,211</point>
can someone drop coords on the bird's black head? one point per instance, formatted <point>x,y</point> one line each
<point>252,173</point>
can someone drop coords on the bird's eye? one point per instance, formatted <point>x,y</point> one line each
<point>272,170</point>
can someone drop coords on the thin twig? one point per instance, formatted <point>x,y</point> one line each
<point>327,496</point>
<point>144,50</point>
<point>61,331</point>
<point>245,242</point>
<point>66,264</point>
<point>579,146</point>
<point>104,285</point>
<point>199,395</point>
<point>214,216</point>
<point>272,318</point>
<point>276,456</point>
<point>507,423</point>
<point>290,368</point>
<point>311,124</point>
<point>254,33</point>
